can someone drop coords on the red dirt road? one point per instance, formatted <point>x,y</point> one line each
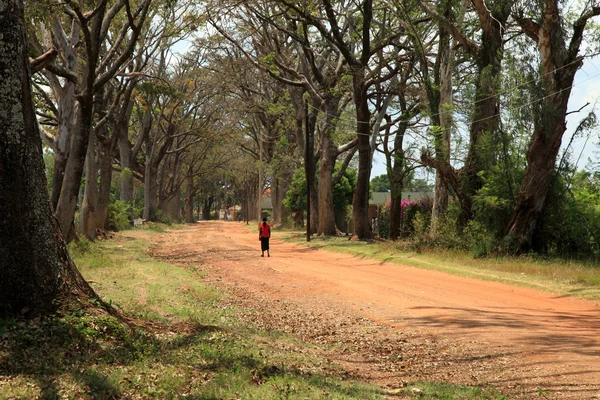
<point>394,324</point>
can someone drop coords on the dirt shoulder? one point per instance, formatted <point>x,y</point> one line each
<point>391,324</point>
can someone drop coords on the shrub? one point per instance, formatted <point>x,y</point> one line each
<point>408,212</point>
<point>119,215</point>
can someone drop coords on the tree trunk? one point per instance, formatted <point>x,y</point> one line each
<point>360,200</point>
<point>326,216</point>
<point>189,201</point>
<point>67,202</point>
<point>87,217</point>
<point>397,174</point>
<point>442,137</point>
<point>106,157</point>
<point>310,176</point>
<point>125,156</point>
<point>37,272</point>
<point>206,207</point>
<point>126,149</point>
<point>276,200</point>
<point>66,115</point>
<point>150,191</point>
<point>326,167</point>
<point>171,206</point>
<point>559,63</point>
<point>541,159</point>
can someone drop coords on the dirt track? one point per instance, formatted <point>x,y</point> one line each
<point>393,324</point>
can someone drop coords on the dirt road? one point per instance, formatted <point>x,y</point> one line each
<point>392,324</point>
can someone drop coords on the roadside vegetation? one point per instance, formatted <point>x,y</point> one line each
<point>179,338</point>
<point>577,278</point>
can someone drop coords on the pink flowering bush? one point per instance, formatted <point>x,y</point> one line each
<point>408,211</point>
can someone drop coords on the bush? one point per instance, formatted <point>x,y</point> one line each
<point>119,215</point>
<point>478,240</point>
<point>408,211</point>
<point>570,224</point>
<point>165,218</point>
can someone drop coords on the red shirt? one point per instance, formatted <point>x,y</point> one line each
<point>264,231</point>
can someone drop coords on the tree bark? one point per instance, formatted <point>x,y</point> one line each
<point>37,272</point>
<point>276,200</point>
<point>327,165</point>
<point>67,201</point>
<point>87,222</point>
<point>106,157</point>
<point>360,200</point>
<point>444,69</point>
<point>397,174</point>
<point>189,200</point>
<point>559,62</point>
<point>150,190</point>
<point>66,115</point>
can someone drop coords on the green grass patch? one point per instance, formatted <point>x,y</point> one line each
<point>564,277</point>
<point>445,391</point>
<point>185,343</point>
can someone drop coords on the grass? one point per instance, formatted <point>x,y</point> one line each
<point>186,343</point>
<point>564,277</point>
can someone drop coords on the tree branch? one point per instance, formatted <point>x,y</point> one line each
<point>469,45</point>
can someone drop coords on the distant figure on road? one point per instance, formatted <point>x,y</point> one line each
<point>264,233</point>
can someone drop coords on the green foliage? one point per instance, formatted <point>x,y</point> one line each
<point>428,390</point>
<point>295,199</point>
<point>380,183</point>
<point>570,224</point>
<point>493,204</point>
<point>414,216</point>
<point>166,219</point>
<point>418,185</point>
<point>49,158</point>
<point>119,215</point>
<point>344,189</point>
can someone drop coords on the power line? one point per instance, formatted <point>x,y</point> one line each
<point>472,122</point>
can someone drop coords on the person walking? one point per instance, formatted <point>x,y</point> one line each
<point>264,234</point>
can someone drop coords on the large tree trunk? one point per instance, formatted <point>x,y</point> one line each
<point>360,200</point>
<point>67,202</point>
<point>559,62</point>
<point>125,156</point>
<point>442,136</point>
<point>541,159</point>
<point>397,174</point>
<point>66,115</point>
<point>106,157</point>
<point>150,190</point>
<point>170,205</point>
<point>326,216</point>
<point>276,201</point>
<point>37,272</point>
<point>326,168</point>
<point>189,200</point>
<point>126,149</point>
<point>87,217</point>
<point>206,207</point>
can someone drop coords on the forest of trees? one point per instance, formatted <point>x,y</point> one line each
<point>162,109</point>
